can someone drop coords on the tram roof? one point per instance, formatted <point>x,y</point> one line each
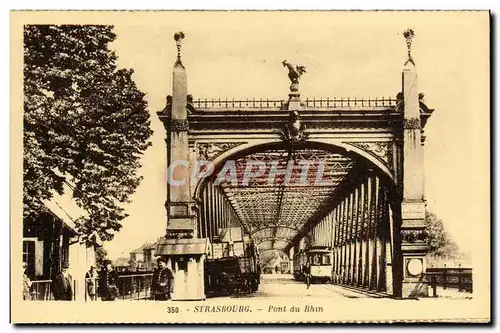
<point>323,250</point>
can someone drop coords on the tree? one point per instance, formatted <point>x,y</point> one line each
<point>100,255</point>
<point>440,242</point>
<point>86,124</point>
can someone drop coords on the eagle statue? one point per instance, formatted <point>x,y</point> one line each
<point>294,72</point>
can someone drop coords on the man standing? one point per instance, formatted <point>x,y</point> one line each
<point>62,285</point>
<point>307,273</point>
<point>162,281</point>
<point>26,283</point>
<point>108,282</point>
<point>91,283</point>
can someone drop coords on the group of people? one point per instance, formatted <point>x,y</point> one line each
<point>161,284</point>
<point>103,283</point>
<point>62,284</point>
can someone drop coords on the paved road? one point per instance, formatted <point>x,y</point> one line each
<point>281,285</point>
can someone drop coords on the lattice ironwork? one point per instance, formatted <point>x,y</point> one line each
<point>275,212</point>
<point>367,104</point>
<point>231,104</point>
<point>350,102</point>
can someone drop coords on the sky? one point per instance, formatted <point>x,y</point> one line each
<point>349,54</point>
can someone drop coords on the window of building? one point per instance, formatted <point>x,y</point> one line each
<point>29,257</point>
<point>147,255</point>
<point>65,250</point>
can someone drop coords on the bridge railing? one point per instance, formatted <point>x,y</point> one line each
<point>312,103</point>
<point>41,290</point>
<point>228,104</point>
<point>450,278</point>
<point>135,286</point>
<point>130,286</point>
<point>350,103</point>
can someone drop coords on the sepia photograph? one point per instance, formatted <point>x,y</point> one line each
<point>250,167</point>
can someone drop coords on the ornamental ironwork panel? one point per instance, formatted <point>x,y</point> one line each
<point>211,150</point>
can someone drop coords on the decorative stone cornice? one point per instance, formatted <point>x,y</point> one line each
<point>381,150</point>
<point>414,236</point>
<point>210,150</point>
<point>177,125</point>
<point>411,123</point>
<point>294,131</point>
<point>179,234</point>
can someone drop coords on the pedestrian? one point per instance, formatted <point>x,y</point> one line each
<point>62,285</point>
<point>108,282</point>
<point>307,274</point>
<point>91,283</point>
<point>26,283</point>
<point>162,281</point>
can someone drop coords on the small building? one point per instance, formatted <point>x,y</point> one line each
<point>46,245</point>
<point>121,264</point>
<point>136,262</point>
<point>51,241</point>
<point>143,258</point>
<point>277,265</point>
<point>149,254</point>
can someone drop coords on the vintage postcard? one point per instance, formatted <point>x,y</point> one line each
<point>250,167</point>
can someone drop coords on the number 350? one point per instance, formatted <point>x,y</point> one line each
<point>172,309</point>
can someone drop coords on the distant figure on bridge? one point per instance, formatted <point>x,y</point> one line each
<point>307,273</point>
<point>108,280</point>
<point>162,281</point>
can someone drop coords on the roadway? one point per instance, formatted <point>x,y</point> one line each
<point>284,285</point>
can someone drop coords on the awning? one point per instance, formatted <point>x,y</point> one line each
<point>59,212</point>
<point>64,207</point>
<point>182,246</point>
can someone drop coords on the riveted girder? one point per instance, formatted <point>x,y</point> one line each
<point>275,204</point>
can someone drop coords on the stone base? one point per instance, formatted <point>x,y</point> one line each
<point>415,289</point>
<point>294,105</point>
<point>186,259</point>
<point>181,223</point>
<point>189,279</point>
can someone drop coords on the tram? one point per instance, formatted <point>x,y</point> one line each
<point>233,265</point>
<point>320,259</point>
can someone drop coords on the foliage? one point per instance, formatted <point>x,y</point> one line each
<point>85,124</point>
<point>100,255</point>
<point>440,242</point>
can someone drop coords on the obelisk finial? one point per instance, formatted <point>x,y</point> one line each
<point>409,34</point>
<point>178,37</point>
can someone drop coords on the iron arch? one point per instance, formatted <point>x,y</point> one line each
<point>255,146</point>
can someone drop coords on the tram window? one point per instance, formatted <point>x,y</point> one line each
<point>326,259</point>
